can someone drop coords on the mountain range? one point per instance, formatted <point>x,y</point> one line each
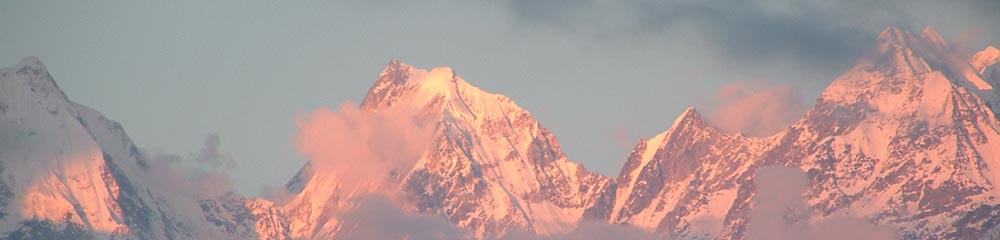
<point>908,138</point>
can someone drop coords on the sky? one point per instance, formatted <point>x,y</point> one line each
<point>599,74</point>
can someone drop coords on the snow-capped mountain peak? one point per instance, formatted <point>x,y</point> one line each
<point>67,172</point>
<point>67,166</point>
<point>985,58</point>
<point>37,78</point>
<point>905,136</point>
<point>901,60</point>
<point>690,118</point>
<point>400,82</point>
<point>986,63</point>
<point>487,152</point>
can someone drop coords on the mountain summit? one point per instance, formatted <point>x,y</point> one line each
<point>491,168</point>
<point>906,138</point>
<point>67,172</point>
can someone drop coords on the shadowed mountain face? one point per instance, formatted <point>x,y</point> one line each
<point>67,172</point>
<point>908,138</point>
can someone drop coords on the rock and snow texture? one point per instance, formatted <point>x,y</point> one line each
<point>491,168</point>
<point>908,138</point>
<point>985,58</point>
<point>904,138</point>
<point>67,167</point>
<point>67,172</point>
<point>683,178</point>
<point>986,63</point>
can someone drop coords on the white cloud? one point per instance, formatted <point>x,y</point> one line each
<point>780,212</point>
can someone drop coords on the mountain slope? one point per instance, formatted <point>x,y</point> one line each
<point>491,168</point>
<point>684,176</point>
<point>67,172</point>
<point>70,168</point>
<point>912,141</point>
<point>905,137</point>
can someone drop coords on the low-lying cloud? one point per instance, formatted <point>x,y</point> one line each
<point>369,151</point>
<point>378,217</point>
<point>756,108</point>
<point>203,174</point>
<point>210,158</point>
<point>780,212</point>
<point>184,181</point>
<point>594,230</point>
<point>365,149</point>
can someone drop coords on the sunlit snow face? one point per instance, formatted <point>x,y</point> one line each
<point>57,182</point>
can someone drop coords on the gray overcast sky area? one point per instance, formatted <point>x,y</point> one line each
<point>600,74</point>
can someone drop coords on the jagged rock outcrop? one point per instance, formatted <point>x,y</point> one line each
<point>909,137</point>
<point>491,167</point>
<point>906,138</point>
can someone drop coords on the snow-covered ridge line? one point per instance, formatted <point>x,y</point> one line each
<point>910,110</point>
<point>522,180</point>
<point>907,138</point>
<point>70,173</point>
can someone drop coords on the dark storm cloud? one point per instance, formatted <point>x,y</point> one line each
<point>748,29</point>
<point>817,33</point>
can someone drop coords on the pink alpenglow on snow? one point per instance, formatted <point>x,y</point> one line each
<point>903,145</point>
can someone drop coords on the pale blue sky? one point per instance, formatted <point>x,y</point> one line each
<point>600,75</point>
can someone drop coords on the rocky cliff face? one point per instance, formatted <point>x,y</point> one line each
<point>683,179</point>
<point>491,168</point>
<point>906,138</point>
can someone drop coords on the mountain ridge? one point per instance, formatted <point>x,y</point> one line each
<point>902,139</point>
<point>486,140</point>
<point>902,98</point>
